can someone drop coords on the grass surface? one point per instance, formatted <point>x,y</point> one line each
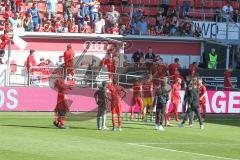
<point>31,136</point>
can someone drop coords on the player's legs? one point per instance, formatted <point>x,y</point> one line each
<point>145,105</point>
<point>104,120</point>
<point>197,112</point>
<point>141,105</point>
<point>151,108</point>
<point>99,116</point>
<point>163,115</point>
<point>62,118</point>
<point>157,115</point>
<point>133,108</point>
<point>175,109</point>
<point>203,109</point>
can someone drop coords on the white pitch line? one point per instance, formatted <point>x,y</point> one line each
<point>173,150</point>
<point>193,143</point>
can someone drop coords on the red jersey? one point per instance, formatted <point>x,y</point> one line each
<point>30,62</point>
<point>227,76</point>
<point>147,89</point>
<point>176,87</point>
<point>114,30</point>
<point>4,40</point>
<point>110,64</point>
<point>173,67</point>
<point>137,87</point>
<point>68,58</point>
<point>116,94</point>
<point>202,91</point>
<point>61,98</point>
<point>7,14</point>
<point>192,69</point>
<point>159,70</point>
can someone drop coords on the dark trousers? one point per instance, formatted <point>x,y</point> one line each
<point>160,113</point>
<point>193,109</point>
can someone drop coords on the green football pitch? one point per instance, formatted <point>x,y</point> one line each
<point>31,136</point>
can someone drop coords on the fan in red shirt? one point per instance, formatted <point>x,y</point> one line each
<point>159,71</point>
<point>110,63</point>
<point>137,99</point>
<point>202,97</point>
<point>175,99</point>
<point>193,68</point>
<point>227,79</point>
<point>148,97</point>
<point>68,56</point>
<point>4,40</point>
<point>31,62</point>
<point>8,13</point>
<point>115,29</point>
<point>62,106</point>
<point>174,66</point>
<point>117,93</point>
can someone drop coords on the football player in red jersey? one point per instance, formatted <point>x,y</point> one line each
<point>117,94</point>
<point>202,97</point>
<point>227,79</point>
<point>137,99</point>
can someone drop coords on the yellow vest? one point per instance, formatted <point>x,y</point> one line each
<point>212,63</point>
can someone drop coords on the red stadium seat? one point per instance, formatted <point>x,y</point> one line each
<point>136,2</point>
<point>217,4</point>
<point>152,11</point>
<point>173,3</point>
<point>124,20</point>
<point>235,5</point>
<point>209,3</point>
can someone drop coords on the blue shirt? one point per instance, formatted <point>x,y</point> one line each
<point>142,26</point>
<point>86,1</point>
<point>34,13</point>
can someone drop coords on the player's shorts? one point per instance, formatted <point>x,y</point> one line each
<point>116,110</point>
<point>62,113</point>
<point>137,101</point>
<point>148,102</point>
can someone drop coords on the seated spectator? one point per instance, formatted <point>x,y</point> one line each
<point>236,15</point>
<point>186,27</point>
<point>58,25</point>
<point>193,68</point>
<point>35,16</point>
<point>174,24</point>
<point>227,11</point>
<point>115,29</point>
<point>47,27</point>
<point>217,16</point>
<point>166,28</point>
<point>112,18</point>
<point>49,63</point>
<point>60,61</point>
<point>198,32</point>
<point>42,62</point>
<point>151,31</point>
<point>21,17</point>
<point>8,26</point>
<point>100,25</point>
<point>141,26</point>
<point>86,28</point>
<point>14,21</point>
<point>237,60</point>
<point>137,56</point>
<point>94,12</point>
<point>67,9</point>
<point>3,5</point>
<point>8,13</point>
<point>51,8</point>
<point>133,26</point>
<point>159,16</point>
<point>123,30</point>
<point>65,27</point>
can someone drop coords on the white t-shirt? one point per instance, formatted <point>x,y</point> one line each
<point>99,25</point>
<point>94,8</point>
<point>226,11</point>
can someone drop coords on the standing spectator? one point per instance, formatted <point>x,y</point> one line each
<point>8,13</point>
<point>67,9</point>
<point>186,7</point>
<point>86,7</point>
<point>58,25</point>
<point>227,80</point>
<point>100,25</point>
<point>51,8</point>
<point>31,62</point>
<point>174,67</point>
<point>159,16</point>
<point>137,56</point>
<point>137,15</point>
<point>212,59</point>
<point>86,28</point>
<point>35,16</point>
<point>186,27</point>
<point>15,22</point>
<point>112,17</point>
<point>94,12</point>
<point>236,15</point>
<point>115,29</point>
<point>142,27</point>
<point>65,27</point>
<point>237,60</point>
<point>19,3</point>
<point>60,61</point>
<point>227,11</point>
<point>28,23</point>
<point>149,58</point>
<point>80,18</point>
<point>165,6</point>
<point>174,24</point>
<point>193,69</point>
<point>166,28</point>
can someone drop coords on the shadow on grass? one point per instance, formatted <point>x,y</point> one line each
<point>28,126</point>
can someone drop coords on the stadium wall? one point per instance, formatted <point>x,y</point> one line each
<point>26,99</point>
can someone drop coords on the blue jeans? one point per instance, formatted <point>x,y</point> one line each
<point>94,17</point>
<point>85,11</point>
<point>35,26</point>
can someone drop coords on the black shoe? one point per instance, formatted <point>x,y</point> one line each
<point>55,124</point>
